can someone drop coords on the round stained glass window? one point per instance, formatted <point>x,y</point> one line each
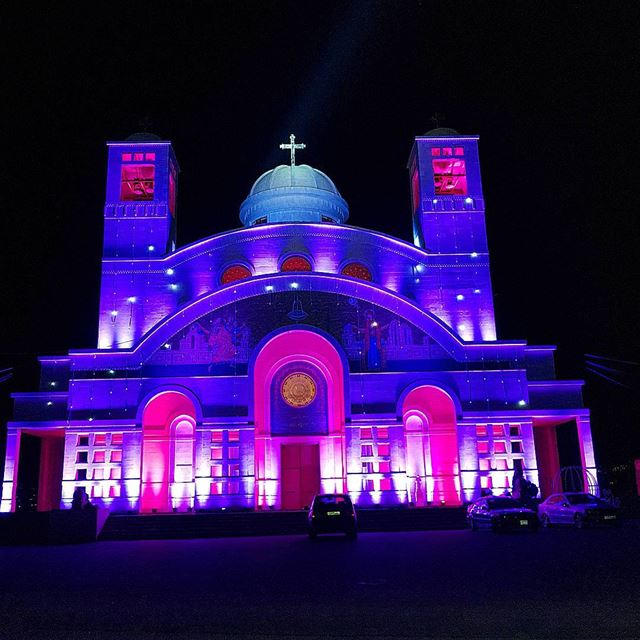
<point>356,270</point>
<point>235,272</point>
<point>298,390</point>
<point>296,263</point>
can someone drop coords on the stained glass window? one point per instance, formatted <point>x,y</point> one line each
<point>356,270</point>
<point>296,263</point>
<point>137,181</point>
<point>450,177</point>
<point>235,272</point>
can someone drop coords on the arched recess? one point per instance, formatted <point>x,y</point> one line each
<point>168,430</point>
<point>311,352</point>
<point>158,336</point>
<point>429,418</point>
<point>182,462</point>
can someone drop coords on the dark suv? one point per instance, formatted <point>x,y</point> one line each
<point>332,513</point>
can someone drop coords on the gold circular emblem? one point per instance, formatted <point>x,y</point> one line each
<point>298,390</point>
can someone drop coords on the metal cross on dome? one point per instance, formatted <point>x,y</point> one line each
<point>293,146</point>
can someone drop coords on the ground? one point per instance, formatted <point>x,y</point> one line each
<point>450,584</point>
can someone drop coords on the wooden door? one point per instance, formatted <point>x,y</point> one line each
<point>300,479</point>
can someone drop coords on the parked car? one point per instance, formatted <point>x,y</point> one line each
<point>332,513</point>
<point>577,509</point>
<point>501,513</point>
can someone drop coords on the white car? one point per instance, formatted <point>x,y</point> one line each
<point>577,509</point>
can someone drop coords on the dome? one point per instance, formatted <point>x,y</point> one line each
<point>143,136</point>
<point>442,132</point>
<point>285,175</point>
<point>296,193</point>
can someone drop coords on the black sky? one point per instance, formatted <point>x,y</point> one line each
<point>550,87</point>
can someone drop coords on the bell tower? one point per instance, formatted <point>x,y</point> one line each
<point>446,193</point>
<point>139,231</point>
<point>449,224</point>
<point>140,207</point>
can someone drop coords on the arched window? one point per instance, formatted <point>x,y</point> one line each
<point>295,263</point>
<point>235,272</point>
<point>356,270</point>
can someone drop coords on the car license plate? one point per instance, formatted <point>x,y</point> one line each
<point>333,513</point>
<point>609,517</point>
<point>524,523</point>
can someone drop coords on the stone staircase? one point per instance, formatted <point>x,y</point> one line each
<point>268,523</point>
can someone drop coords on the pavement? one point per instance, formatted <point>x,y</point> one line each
<point>433,584</point>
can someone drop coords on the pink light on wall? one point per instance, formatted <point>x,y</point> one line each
<point>297,345</point>
<point>158,447</point>
<point>418,460</point>
<point>182,481</point>
<point>439,425</point>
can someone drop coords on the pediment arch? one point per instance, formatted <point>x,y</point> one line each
<point>360,293</point>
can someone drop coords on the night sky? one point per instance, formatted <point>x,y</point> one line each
<point>549,87</point>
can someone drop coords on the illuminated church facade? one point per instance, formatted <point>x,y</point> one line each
<point>296,355</point>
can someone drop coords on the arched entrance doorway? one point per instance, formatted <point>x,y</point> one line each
<point>429,418</point>
<point>299,414</point>
<point>167,471</point>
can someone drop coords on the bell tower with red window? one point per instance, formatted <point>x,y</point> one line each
<point>449,224</point>
<point>446,193</point>
<point>140,207</point>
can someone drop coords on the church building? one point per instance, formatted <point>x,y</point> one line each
<point>296,355</point>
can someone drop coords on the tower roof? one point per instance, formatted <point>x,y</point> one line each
<point>143,136</point>
<point>442,132</point>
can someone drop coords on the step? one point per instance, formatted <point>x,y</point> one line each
<point>249,523</point>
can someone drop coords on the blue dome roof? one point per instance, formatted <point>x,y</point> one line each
<point>285,175</point>
<point>293,194</point>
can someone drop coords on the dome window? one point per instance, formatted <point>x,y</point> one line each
<point>235,272</point>
<point>295,263</point>
<point>357,270</point>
